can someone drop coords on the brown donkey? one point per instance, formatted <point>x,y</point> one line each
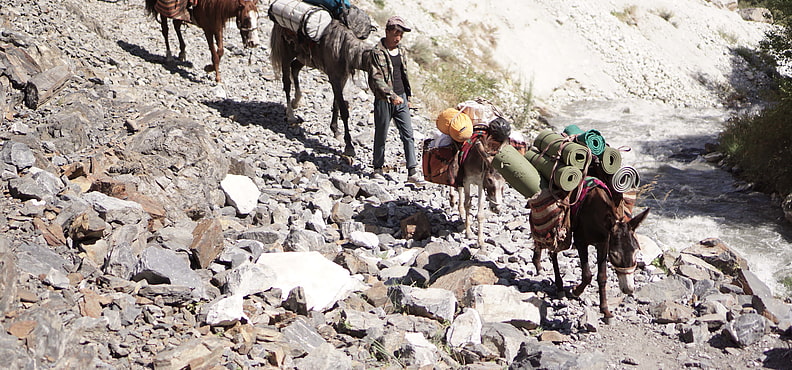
<point>596,221</point>
<point>476,169</point>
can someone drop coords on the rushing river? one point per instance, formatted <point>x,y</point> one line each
<point>690,199</point>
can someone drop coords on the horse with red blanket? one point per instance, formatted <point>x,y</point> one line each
<point>211,16</point>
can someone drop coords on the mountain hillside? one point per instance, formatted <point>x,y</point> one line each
<point>682,52</point>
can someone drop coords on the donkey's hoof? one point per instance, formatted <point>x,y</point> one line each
<point>562,294</point>
<point>607,320</point>
<point>349,151</point>
<point>182,57</point>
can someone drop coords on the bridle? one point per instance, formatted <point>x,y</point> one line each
<point>625,270</point>
<point>252,27</point>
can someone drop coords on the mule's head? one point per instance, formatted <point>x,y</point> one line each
<point>623,249</point>
<point>247,18</point>
<point>493,187</point>
<point>494,183</point>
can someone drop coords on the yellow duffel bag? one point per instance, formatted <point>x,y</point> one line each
<point>456,124</point>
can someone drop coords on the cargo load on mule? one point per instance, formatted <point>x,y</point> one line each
<point>337,8</point>
<point>311,18</point>
<point>580,194</point>
<point>555,173</point>
<point>458,129</point>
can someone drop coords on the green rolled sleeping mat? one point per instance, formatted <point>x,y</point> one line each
<point>591,138</point>
<point>610,160</point>
<point>572,154</point>
<point>624,179</point>
<point>565,177</point>
<point>517,171</point>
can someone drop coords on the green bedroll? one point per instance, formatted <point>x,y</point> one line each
<point>518,171</point>
<point>569,152</point>
<point>565,177</point>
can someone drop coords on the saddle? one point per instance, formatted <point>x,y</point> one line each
<point>550,221</point>
<point>176,9</point>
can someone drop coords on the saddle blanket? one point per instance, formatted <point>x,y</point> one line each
<point>550,221</point>
<point>175,9</point>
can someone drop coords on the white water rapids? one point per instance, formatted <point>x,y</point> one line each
<point>690,199</point>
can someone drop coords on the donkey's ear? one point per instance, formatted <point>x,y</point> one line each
<point>635,221</point>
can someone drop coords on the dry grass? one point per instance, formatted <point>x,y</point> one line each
<point>628,15</point>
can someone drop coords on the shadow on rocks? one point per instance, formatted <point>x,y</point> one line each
<point>176,67</point>
<point>272,116</point>
<point>386,217</point>
<point>778,358</point>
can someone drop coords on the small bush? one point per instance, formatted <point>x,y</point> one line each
<point>665,14</point>
<point>629,15</point>
<point>787,283</point>
<point>452,84</point>
<point>729,37</point>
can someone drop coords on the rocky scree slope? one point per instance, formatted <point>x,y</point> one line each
<point>127,243</point>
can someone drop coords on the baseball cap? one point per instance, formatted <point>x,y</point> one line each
<point>397,21</point>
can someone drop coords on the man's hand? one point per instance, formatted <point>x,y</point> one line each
<point>397,100</point>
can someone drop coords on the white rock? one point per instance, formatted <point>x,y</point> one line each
<point>465,329</point>
<point>649,250</point>
<point>241,192</point>
<point>364,239</point>
<point>323,282</point>
<point>226,311</point>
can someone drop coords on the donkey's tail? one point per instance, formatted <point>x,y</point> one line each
<point>277,45</point>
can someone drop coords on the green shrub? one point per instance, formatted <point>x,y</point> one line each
<point>761,146</point>
<point>629,15</point>
<point>452,84</point>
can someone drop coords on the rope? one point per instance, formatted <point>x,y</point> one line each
<point>564,142</point>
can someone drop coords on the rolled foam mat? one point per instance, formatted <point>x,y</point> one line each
<point>610,160</point>
<point>572,130</point>
<point>565,177</point>
<point>572,154</point>
<point>591,138</point>
<point>518,171</point>
<point>624,179</point>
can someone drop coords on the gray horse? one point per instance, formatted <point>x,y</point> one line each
<point>338,53</point>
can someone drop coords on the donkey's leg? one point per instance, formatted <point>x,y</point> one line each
<point>537,258</point>
<point>480,213</point>
<point>460,192</point>
<point>177,25</point>
<point>164,28</point>
<point>295,67</point>
<point>338,83</point>
<point>334,122</point>
<point>210,40</point>
<point>559,283</point>
<point>219,54</point>
<point>602,281</point>
<point>586,271</point>
<point>286,79</point>
<point>468,202</point>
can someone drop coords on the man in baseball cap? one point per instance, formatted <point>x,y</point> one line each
<point>391,87</point>
<point>397,21</point>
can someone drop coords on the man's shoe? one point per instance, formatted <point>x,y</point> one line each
<point>378,174</point>
<point>416,179</point>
